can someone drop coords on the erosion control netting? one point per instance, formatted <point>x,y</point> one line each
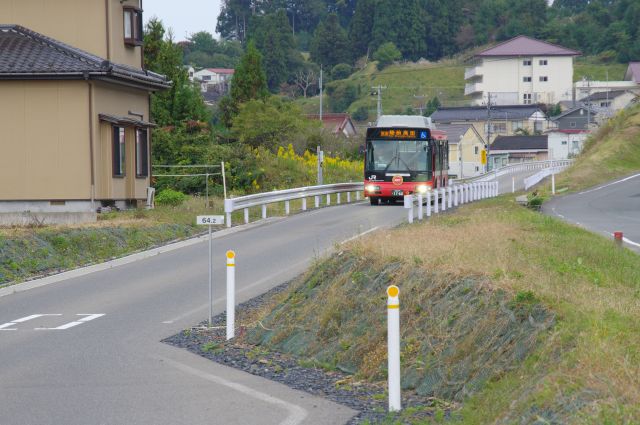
<point>457,333</point>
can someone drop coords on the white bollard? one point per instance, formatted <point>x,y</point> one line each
<point>553,183</point>
<point>444,199</point>
<point>338,202</point>
<point>393,345</point>
<point>264,210</point>
<point>513,184</point>
<point>328,199</point>
<point>420,212</point>
<point>348,197</point>
<point>304,204</point>
<point>246,216</point>
<point>408,204</point>
<point>497,188</point>
<point>286,207</point>
<point>317,201</point>
<point>435,201</point>
<point>231,294</point>
<point>449,198</point>
<point>428,203</point>
<point>357,196</point>
<point>455,196</point>
<point>228,219</point>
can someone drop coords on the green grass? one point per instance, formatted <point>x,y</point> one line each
<point>582,369</point>
<point>593,69</point>
<point>612,152</point>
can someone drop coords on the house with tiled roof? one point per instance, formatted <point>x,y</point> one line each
<point>75,110</point>
<point>516,149</point>
<point>521,71</point>
<point>465,150</point>
<point>337,124</point>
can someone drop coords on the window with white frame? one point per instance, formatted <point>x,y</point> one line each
<point>526,79</point>
<point>572,124</point>
<point>544,78</point>
<point>542,62</point>
<point>526,62</point>
<point>526,98</point>
<point>517,125</point>
<point>475,150</point>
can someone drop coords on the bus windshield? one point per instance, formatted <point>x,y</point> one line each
<point>397,155</point>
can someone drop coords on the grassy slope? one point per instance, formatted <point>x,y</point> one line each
<point>612,152</point>
<point>444,79</point>
<point>585,369</point>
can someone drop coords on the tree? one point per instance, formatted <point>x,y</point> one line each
<point>386,54</point>
<point>269,122</point>
<point>432,106</point>
<point>360,27</point>
<point>330,45</point>
<point>306,78</point>
<point>341,71</point>
<point>249,82</point>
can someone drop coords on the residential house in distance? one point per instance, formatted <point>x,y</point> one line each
<point>607,103</point>
<point>631,82</point>
<point>213,75</point>
<point>580,118</point>
<point>465,149</point>
<point>337,124</point>
<point>565,144</point>
<point>505,120</point>
<point>75,109</point>
<point>507,150</point>
<point>521,71</point>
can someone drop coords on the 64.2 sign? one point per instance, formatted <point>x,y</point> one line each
<point>210,220</point>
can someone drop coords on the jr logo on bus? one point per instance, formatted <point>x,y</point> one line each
<point>397,180</point>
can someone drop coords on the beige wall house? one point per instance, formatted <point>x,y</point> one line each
<point>465,150</point>
<point>75,107</point>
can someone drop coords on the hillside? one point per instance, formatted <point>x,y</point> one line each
<point>507,316</point>
<point>612,152</point>
<point>411,85</point>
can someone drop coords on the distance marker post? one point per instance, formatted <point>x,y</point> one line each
<point>210,220</point>
<point>393,344</point>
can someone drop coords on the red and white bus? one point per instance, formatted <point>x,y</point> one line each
<point>402,160</point>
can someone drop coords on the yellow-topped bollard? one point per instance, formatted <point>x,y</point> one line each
<point>393,344</point>
<point>231,293</point>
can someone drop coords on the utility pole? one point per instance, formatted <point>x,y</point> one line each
<point>488,128</point>
<point>379,92</point>
<point>320,93</point>
<point>588,103</point>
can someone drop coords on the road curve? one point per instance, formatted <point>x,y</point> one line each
<point>604,209</point>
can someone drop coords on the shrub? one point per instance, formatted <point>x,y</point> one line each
<point>341,71</point>
<point>386,54</point>
<point>361,114</point>
<point>170,197</point>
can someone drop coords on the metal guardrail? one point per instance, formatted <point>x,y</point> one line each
<point>263,199</point>
<point>515,168</point>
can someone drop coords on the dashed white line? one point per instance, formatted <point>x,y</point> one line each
<point>88,318</point>
<point>7,326</point>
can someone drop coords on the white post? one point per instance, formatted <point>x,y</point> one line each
<point>497,188</point>
<point>317,201</point>
<point>210,278</point>
<point>428,203</point>
<point>553,183</point>
<point>449,198</point>
<point>338,198</point>
<point>393,345</point>
<point>456,189</point>
<point>231,294</point>
<point>435,201</point>
<point>286,207</point>
<point>348,197</point>
<point>328,199</point>
<point>304,204</point>
<point>408,204</point>
<point>444,199</point>
<point>246,216</point>
<point>264,210</point>
<point>358,196</point>
<point>513,184</point>
<point>420,212</point>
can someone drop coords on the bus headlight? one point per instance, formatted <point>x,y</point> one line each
<point>423,188</point>
<point>372,188</point>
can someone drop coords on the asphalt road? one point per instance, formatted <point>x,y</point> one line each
<point>86,350</point>
<point>604,209</point>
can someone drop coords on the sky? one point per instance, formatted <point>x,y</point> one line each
<point>184,16</point>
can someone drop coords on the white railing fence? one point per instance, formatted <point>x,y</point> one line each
<point>454,195</point>
<point>540,175</point>
<point>560,164</point>
<point>301,193</point>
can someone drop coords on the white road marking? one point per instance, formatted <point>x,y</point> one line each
<point>89,318</point>
<point>359,235</point>
<point>630,242</point>
<point>609,184</point>
<point>296,414</point>
<point>7,326</point>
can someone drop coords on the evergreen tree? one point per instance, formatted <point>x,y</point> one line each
<point>330,45</point>
<point>249,82</point>
<point>360,27</point>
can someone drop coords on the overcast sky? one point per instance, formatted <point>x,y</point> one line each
<point>184,16</point>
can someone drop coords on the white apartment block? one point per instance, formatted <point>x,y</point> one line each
<point>521,71</point>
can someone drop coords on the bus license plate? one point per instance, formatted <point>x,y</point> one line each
<point>397,193</point>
